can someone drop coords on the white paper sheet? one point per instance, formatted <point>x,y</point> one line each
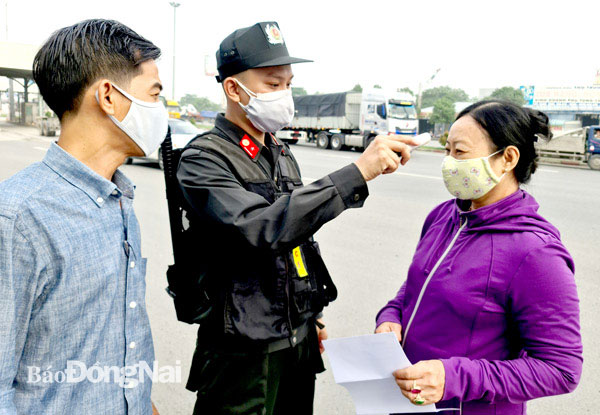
<point>365,365</point>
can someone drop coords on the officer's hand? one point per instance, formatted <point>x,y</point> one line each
<point>322,334</point>
<point>380,156</point>
<point>389,327</point>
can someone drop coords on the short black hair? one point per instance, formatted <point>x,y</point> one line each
<point>76,56</point>
<point>508,124</point>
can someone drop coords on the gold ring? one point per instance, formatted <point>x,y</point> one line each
<point>415,389</point>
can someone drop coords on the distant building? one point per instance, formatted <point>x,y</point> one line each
<point>458,107</point>
<point>16,61</point>
<point>485,92</point>
<point>438,129</point>
<point>208,116</point>
<point>565,106</point>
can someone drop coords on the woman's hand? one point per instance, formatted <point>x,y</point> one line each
<point>428,376</point>
<point>389,327</point>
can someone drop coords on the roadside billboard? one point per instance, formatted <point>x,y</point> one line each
<point>577,99</point>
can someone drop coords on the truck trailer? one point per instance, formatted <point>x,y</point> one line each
<point>576,147</point>
<point>350,119</point>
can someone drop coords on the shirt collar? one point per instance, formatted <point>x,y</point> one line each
<point>98,188</point>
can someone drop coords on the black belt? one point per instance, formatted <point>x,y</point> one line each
<point>297,336</point>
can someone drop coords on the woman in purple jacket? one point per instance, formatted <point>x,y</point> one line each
<point>489,309</point>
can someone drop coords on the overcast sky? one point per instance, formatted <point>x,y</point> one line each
<point>477,44</point>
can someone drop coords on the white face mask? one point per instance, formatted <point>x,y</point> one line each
<point>269,112</point>
<point>146,123</point>
<point>469,179</point>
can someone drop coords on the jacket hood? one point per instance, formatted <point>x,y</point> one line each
<point>515,213</point>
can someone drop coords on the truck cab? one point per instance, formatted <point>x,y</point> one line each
<point>402,117</point>
<point>173,107</point>
<point>593,147</point>
<point>383,113</point>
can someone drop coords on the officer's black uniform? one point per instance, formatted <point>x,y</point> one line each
<point>250,235</point>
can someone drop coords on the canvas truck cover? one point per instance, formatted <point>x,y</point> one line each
<point>327,111</point>
<point>326,105</point>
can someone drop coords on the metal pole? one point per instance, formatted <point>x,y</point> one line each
<point>426,83</point>
<point>6,18</point>
<point>175,6</point>
<point>11,89</point>
<point>20,109</point>
<point>11,101</point>
<point>174,43</point>
<point>419,97</point>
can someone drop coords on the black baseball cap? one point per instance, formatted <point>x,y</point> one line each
<point>257,46</point>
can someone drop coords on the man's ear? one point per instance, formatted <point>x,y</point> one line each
<point>231,89</point>
<point>106,96</point>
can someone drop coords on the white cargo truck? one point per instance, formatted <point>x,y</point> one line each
<point>351,119</point>
<point>575,147</point>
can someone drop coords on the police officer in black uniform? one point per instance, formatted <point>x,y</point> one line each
<point>251,222</point>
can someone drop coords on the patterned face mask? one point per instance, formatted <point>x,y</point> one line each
<point>469,179</point>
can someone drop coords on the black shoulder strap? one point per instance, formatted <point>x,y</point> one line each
<point>235,157</point>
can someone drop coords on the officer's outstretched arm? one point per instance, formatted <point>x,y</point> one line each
<point>217,196</point>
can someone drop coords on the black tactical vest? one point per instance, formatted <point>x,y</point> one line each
<point>258,294</point>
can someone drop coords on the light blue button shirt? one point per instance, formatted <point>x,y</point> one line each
<point>73,327</point>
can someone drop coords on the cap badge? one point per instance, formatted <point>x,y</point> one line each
<point>273,34</point>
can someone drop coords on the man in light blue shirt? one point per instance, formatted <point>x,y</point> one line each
<point>74,332</point>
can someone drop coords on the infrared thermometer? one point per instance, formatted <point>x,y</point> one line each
<point>421,140</point>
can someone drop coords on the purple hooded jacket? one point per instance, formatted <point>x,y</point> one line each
<point>500,310</point>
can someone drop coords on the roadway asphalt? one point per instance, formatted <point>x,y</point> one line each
<point>367,251</point>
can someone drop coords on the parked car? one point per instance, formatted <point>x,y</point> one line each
<point>181,134</point>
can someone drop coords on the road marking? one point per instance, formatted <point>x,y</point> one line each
<point>46,139</point>
<point>27,138</point>
<point>336,156</point>
<point>427,153</point>
<point>423,176</point>
<point>41,148</point>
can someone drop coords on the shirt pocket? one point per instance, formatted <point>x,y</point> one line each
<point>489,334</point>
<point>140,274</point>
<point>143,265</point>
<point>212,372</point>
<point>291,185</point>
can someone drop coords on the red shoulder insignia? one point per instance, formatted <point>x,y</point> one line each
<point>249,147</point>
